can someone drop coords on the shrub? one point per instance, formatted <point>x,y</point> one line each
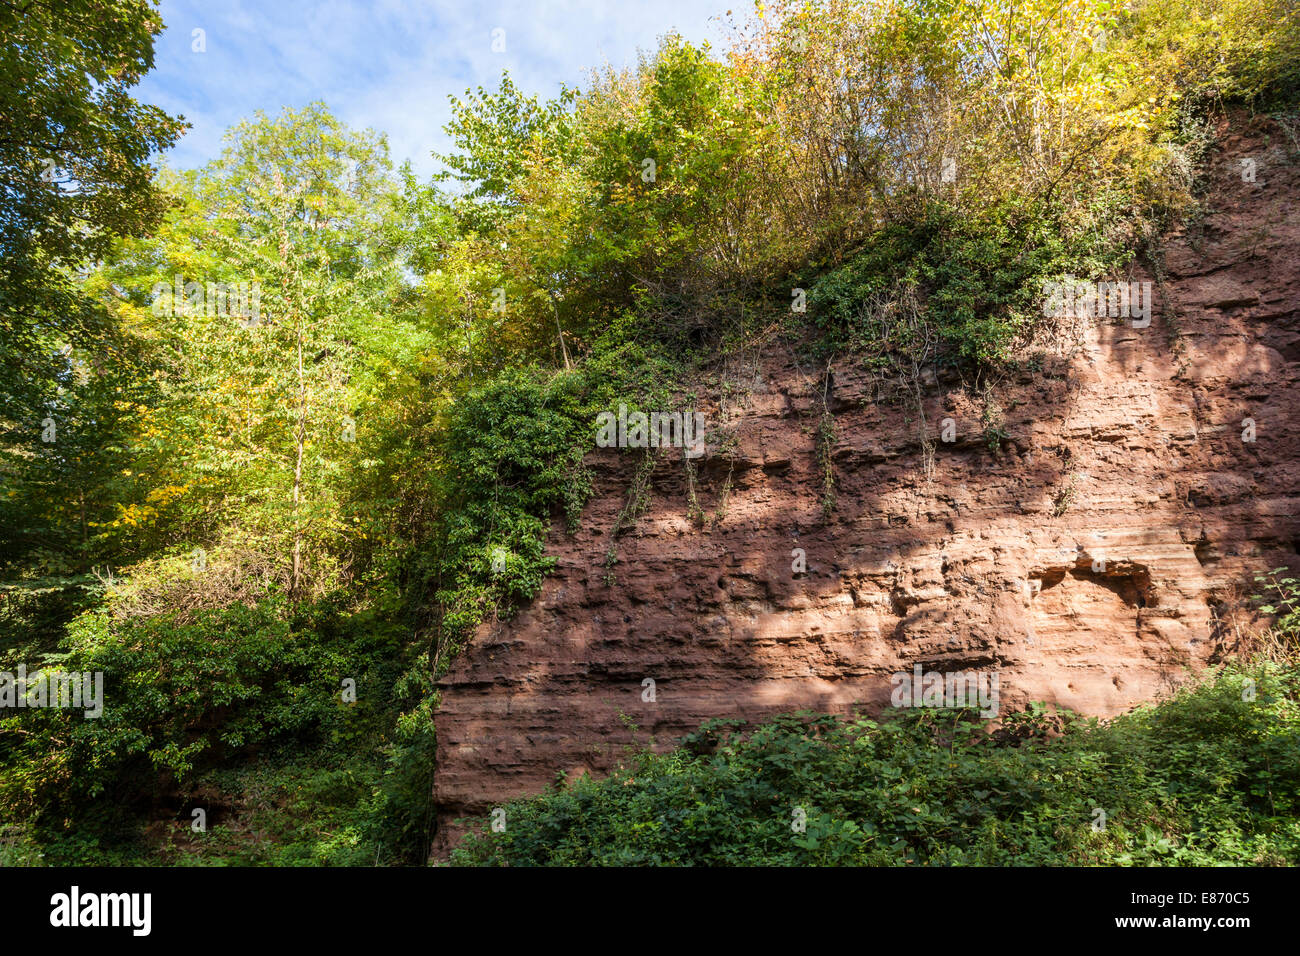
<point>1203,779</point>
<point>177,697</point>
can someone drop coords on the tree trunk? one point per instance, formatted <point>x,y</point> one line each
<point>300,438</point>
<point>559,331</point>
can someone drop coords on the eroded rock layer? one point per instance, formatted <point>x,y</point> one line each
<point>1124,446</point>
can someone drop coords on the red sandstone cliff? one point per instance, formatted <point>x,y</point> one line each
<point>1126,444</point>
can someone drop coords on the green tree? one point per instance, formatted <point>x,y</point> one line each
<point>74,174</point>
<point>286,256</point>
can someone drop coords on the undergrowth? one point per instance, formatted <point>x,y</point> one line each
<point>1207,778</point>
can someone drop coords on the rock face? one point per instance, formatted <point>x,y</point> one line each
<point>1089,534</point>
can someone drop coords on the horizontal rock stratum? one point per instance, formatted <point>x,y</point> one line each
<point>1118,444</point>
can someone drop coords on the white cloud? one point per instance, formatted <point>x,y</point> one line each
<point>390,65</point>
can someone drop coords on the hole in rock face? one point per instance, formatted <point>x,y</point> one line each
<point>1133,589</point>
<point>1077,608</point>
<point>1052,578</point>
<point>1205,551</point>
<point>897,604</point>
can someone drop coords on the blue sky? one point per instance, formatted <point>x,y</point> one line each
<point>389,64</point>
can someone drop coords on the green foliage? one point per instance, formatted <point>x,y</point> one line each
<point>497,135</point>
<point>166,683</point>
<point>273,410</point>
<point>953,289</point>
<point>1281,599</point>
<point>512,456</point>
<point>246,685</point>
<point>507,454</point>
<point>1206,778</point>
<point>74,161</point>
<point>35,613</point>
<point>75,166</point>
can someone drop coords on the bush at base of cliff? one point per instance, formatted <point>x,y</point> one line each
<point>258,691</point>
<point>1210,777</point>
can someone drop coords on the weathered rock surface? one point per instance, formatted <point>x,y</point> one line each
<point>1125,445</point>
